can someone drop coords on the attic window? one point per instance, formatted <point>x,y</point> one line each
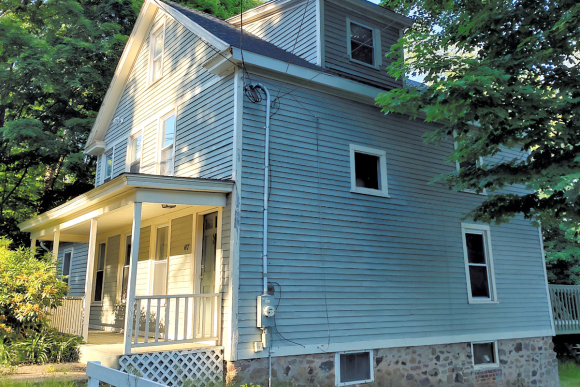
<point>363,44</point>
<point>157,45</point>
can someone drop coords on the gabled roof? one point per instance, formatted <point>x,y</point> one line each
<point>219,34</point>
<point>233,36</point>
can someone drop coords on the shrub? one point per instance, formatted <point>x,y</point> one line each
<point>29,287</point>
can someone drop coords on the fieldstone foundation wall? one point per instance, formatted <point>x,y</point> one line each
<point>522,363</point>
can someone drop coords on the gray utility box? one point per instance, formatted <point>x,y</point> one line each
<point>266,311</point>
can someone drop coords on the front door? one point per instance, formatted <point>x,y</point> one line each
<point>208,253</point>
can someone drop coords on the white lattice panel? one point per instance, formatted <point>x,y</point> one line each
<point>204,367</point>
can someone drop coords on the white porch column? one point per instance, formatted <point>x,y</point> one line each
<point>89,279</point>
<point>55,244</point>
<point>33,246</point>
<point>132,282</point>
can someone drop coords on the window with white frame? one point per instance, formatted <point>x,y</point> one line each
<point>363,43</point>
<point>100,273</point>
<point>126,264</point>
<point>66,261</point>
<point>354,368</point>
<point>156,56</point>
<point>485,354</point>
<point>135,150</point>
<point>108,165</point>
<point>166,159</point>
<point>467,164</point>
<point>478,263</point>
<point>368,171</point>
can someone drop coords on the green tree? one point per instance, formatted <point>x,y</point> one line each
<point>57,58</point>
<point>502,74</point>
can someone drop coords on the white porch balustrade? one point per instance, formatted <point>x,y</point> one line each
<point>175,319</point>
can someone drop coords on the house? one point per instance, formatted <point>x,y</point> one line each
<point>260,211</point>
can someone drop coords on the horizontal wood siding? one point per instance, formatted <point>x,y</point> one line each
<point>180,274</point>
<point>78,266</point>
<point>204,108</point>
<point>120,159</point>
<point>364,268</point>
<point>283,29</point>
<point>335,40</point>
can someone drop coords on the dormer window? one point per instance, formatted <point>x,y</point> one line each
<point>156,61</point>
<point>363,44</point>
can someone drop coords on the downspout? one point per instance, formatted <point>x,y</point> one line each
<point>266,188</point>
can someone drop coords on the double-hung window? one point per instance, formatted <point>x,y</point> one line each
<point>156,59</point>
<point>368,171</point>
<point>478,263</point>
<point>363,44</point>
<point>135,150</point>
<point>108,165</point>
<point>66,260</point>
<point>166,154</point>
<point>100,273</point>
<point>126,264</point>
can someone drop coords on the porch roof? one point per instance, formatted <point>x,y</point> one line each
<point>126,189</point>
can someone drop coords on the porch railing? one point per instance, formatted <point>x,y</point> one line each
<point>566,308</point>
<point>175,319</point>
<point>68,317</point>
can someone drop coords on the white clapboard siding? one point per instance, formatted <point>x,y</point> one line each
<point>225,280</point>
<point>283,29</point>
<point>120,159</point>
<point>204,106</point>
<point>335,43</point>
<point>68,317</point>
<point>365,267</point>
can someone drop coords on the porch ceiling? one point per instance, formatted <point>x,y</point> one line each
<point>112,204</point>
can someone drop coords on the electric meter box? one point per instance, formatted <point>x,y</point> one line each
<point>266,311</point>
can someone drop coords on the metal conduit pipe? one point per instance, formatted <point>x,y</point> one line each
<point>266,187</point>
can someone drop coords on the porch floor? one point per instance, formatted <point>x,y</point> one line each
<point>112,343</point>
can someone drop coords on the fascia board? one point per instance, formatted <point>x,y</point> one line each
<point>267,9</point>
<point>120,185</point>
<point>96,148</point>
<point>195,28</point>
<point>114,92</point>
<point>309,78</point>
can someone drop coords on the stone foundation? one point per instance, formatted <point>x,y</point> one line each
<point>522,363</point>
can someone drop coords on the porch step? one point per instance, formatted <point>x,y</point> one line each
<point>90,352</point>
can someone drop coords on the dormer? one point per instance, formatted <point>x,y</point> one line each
<point>347,37</point>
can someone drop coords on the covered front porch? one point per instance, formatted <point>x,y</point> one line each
<point>153,243</point>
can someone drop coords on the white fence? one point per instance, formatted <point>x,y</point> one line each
<point>68,317</point>
<point>179,318</point>
<point>98,373</point>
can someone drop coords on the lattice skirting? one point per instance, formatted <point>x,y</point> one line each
<point>204,367</point>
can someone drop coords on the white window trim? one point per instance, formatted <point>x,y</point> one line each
<point>377,49</point>
<point>93,302</point>
<point>467,227</point>
<point>337,368</point>
<point>457,167</point>
<point>104,163</point>
<point>128,161</point>
<point>160,26</point>
<point>172,111</point>
<point>382,155</point>
<point>71,251</point>
<point>478,367</point>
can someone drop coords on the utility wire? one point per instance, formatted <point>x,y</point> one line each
<point>275,324</point>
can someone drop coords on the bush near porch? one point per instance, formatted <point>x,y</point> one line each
<point>29,288</point>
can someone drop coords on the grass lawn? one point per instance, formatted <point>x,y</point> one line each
<point>569,374</point>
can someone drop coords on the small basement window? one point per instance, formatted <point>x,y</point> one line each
<point>484,354</point>
<point>354,368</point>
<point>368,170</point>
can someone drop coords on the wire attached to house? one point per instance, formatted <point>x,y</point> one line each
<point>275,324</point>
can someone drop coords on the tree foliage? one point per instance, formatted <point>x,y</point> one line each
<point>57,58</point>
<point>501,74</point>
